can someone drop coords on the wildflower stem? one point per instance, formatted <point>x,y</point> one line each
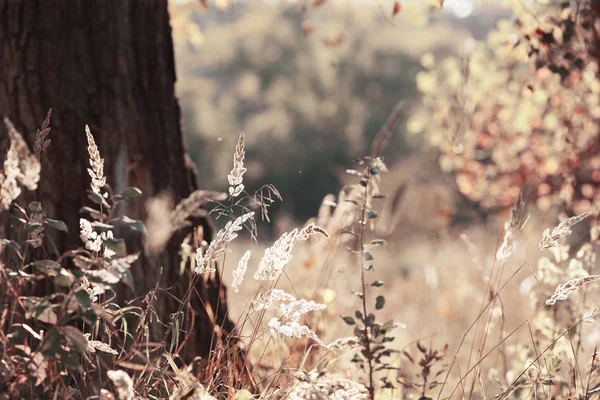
<point>362,221</point>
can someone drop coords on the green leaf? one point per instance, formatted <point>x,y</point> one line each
<point>379,302</point>
<point>95,214</point>
<point>377,284</point>
<point>370,319</point>
<point>40,309</point>
<point>48,267</point>
<point>349,320</point>
<point>51,344</point>
<point>36,207</point>
<point>84,298</point>
<point>102,227</point>
<point>131,192</point>
<point>131,223</point>
<point>388,325</point>
<point>75,338</point>
<point>64,278</point>
<point>11,244</point>
<point>371,214</point>
<point>116,245</point>
<point>16,219</point>
<point>358,315</point>
<point>56,224</point>
<point>32,226</point>
<point>96,198</point>
<point>368,256</point>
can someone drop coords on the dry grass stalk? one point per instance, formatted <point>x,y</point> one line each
<point>235,177</point>
<point>279,255</point>
<point>218,247</point>
<point>264,300</point>
<point>41,143</point>
<point>20,166</point>
<point>519,215</point>
<point>191,207</point>
<point>315,385</point>
<point>563,229</point>
<point>240,271</point>
<point>563,290</point>
<point>96,162</point>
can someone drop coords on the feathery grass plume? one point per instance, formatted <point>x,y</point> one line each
<point>218,246</point>
<point>115,271</point>
<point>292,329</point>
<point>519,215</point>
<point>345,343</point>
<point>9,189</point>
<point>563,290</point>
<point>29,166</point>
<point>590,316</point>
<point>265,299</point>
<point>288,323</point>
<point>97,164</point>
<point>294,310</point>
<point>123,383</point>
<point>41,143</point>
<point>163,220</point>
<point>236,176</point>
<point>315,385</point>
<point>93,345</point>
<point>20,166</point>
<point>279,255</point>
<point>191,207</point>
<point>563,229</point>
<point>240,271</point>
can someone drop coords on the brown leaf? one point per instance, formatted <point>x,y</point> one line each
<point>397,8</point>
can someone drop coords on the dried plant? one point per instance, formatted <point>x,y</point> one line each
<point>20,166</point>
<point>41,141</point>
<point>240,271</point>
<point>236,176</point>
<point>562,291</point>
<point>519,215</point>
<point>315,385</point>
<point>563,229</point>
<point>191,206</point>
<point>218,247</point>
<point>279,255</point>
<point>97,164</point>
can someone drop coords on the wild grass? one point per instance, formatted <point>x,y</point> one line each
<point>290,315</point>
<point>361,301</point>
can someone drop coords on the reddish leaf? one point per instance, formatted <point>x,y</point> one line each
<point>397,8</point>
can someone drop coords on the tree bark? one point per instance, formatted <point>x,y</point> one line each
<point>108,64</point>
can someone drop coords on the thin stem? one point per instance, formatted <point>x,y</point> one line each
<point>364,287</point>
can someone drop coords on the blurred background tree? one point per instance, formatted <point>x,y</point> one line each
<point>520,107</point>
<point>310,83</point>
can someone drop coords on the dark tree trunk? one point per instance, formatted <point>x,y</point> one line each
<point>108,64</point>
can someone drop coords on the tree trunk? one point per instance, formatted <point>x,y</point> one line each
<point>108,64</point>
